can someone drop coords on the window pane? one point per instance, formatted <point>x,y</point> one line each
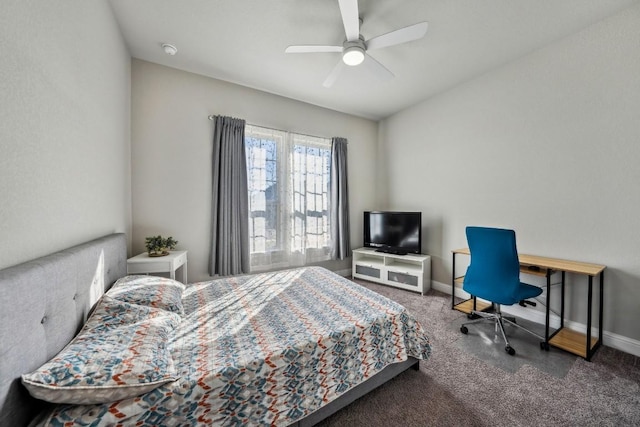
<point>288,178</point>
<point>263,195</point>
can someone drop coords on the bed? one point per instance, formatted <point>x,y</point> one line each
<point>282,348</point>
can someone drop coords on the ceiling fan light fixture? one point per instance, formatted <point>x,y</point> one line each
<point>353,55</point>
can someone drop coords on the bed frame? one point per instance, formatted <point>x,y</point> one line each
<point>358,391</point>
<point>45,302</point>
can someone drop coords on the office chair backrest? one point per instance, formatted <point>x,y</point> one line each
<point>494,271</point>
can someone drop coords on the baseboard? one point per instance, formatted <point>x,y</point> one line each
<point>610,339</point>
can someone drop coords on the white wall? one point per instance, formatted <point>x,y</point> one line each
<point>172,144</point>
<point>548,145</point>
<point>64,127</point>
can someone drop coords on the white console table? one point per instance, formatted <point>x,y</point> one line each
<point>144,264</point>
<point>411,272</point>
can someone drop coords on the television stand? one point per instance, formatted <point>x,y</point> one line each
<point>408,271</point>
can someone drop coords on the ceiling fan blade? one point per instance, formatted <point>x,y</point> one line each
<point>403,35</point>
<point>331,78</point>
<point>377,68</point>
<point>312,49</point>
<point>350,19</point>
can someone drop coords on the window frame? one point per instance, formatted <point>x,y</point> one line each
<point>285,252</point>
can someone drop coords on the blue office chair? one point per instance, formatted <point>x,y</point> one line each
<point>494,275</point>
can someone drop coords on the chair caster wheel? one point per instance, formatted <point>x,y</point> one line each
<point>510,350</point>
<point>464,330</point>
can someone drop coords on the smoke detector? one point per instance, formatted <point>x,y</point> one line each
<point>169,49</point>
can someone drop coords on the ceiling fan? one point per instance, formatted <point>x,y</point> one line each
<point>354,49</point>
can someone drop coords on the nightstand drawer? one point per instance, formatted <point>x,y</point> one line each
<point>148,267</point>
<point>144,264</point>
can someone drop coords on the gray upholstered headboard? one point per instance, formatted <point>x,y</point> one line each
<point>43,304</point>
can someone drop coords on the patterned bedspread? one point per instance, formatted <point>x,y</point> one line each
<point>267,349</point>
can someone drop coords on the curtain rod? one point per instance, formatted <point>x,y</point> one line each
<point>212,117</point>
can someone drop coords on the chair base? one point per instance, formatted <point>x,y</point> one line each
<point>498,319</point>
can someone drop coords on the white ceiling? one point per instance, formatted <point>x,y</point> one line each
<point>243,41</point>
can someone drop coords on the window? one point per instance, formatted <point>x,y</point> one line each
<point>288,184</point>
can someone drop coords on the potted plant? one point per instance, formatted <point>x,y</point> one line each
<point>159,246</point>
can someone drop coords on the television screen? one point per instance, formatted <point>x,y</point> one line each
<point>393,232</point>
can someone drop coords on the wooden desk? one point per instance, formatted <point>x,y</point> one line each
<point>584,345</point>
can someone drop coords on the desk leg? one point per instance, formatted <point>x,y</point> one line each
<point>598,343</point>
<point>547,315</point>
<point>590,301</point>
<point>184,273</point>
<point>562,302</point>
<point>601,325</point>
<point>453,282</point>
<point>172,274</point>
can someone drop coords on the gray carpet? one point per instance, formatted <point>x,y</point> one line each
<point>466,382</point>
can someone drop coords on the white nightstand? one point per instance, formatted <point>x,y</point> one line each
<point>144,264</point>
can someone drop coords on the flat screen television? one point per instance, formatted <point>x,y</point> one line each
<point>393,232</point>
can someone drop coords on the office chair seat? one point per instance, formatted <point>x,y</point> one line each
<point>494,275</point>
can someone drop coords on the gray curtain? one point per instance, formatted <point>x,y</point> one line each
<point>229,208</point>
<point>340,235</point>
